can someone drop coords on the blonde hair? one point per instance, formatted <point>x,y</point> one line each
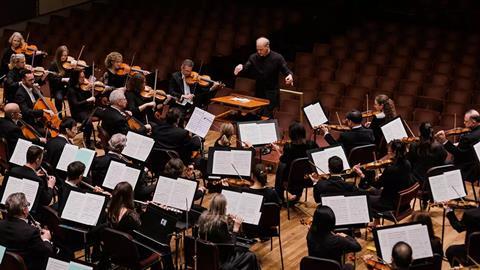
<point>388,106</point>
<point>58,57</point>
<point>226,132</point>
<point>111,57</point>
<point>14,59</point>
<point>14,35</point>
<point>215,215</point>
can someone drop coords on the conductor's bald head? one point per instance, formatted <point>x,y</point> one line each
<point>263,46</point>
<point>12,110</point>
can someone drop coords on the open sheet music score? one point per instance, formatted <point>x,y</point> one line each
<point>28,187</point>
<point>19,156</point>
<point>200,122</point>
<point>118,172</point>
<point>226,162</point>
<point>414,234</point>
<point>72,153</point>
<point>394,130</point>
<point>138,146</point>
<point>315,114</point>
<point>84,208</point>
<point>55,264</point>
<point>2,252</point>
<point>246,205</point>
<point>177,193</point>
<point>258,132</point>
<point>447,186</point>
<point>349,210</point>
<point>476,147</point>
<point>320,157</point>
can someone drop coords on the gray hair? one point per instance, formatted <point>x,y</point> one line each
<point>116,95</point>
<point>15,204</point>
<point>14,58</point>
<point>117,142</point>
<point>263,41</point>
<point>187,63</point>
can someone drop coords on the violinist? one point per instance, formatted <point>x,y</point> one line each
<point>9,129</point>
<point>110,77</point>
<point>401,256</point>
<point>464,154</point>
<point>259,185</point>
<point>425,154</point>
<point>226,133</point>
<point>81,103</point>
<point>54,146</point>
<point>297,148</point>
<point>356,136</point>
<point>175,168</point>
<point>16,41</point>
<point>13,76</point>
<point>30,171</point>
<point>335,183</point>
<point>115,117</point>
<point>26,97</point>
<point>323,242</point>
<point>425,218</point>
<point>386,107</point>
<point>141,109</point>
<point>189,95</point>
<point>59,84</point>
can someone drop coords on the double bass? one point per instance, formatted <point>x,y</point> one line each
<point>52,122</point>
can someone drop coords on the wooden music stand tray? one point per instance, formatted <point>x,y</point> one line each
<point>239,103</point>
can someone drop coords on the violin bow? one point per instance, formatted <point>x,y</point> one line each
<point>199,71</point>
<point>338,118</point>
<point>408,127</point>
<point>28,36</point>
<point>155,89</point>
<point>454,126</point>
<point>92,81</point>
<point>366,97</point>
<point>80,53</point>
<point>131,64</point>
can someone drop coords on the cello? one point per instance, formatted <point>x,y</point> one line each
<point>52,122</point>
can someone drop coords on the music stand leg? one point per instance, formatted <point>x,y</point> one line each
<point>443,225</point>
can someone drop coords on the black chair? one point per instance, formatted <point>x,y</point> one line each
<point>434,264</point>
<point>315,263</point>
<point>208,255</point>
<point>12,261</point>
<point>424,191</point>
<point>403,208</point>
<point>121,250</point>
<point>473,249</point>
<point>158,159</point>
<point>296,178</point>
<point>362,154</point>
<point>269,225</point>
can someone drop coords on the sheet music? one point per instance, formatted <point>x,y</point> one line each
<point>138,146</point>
<point>394,130</point>
<point>118,172</point>
<point>242,160</point>
<point>416,235</point>
<point>85,156</point>
<point>175,192</point>
<point>78,266</point>
<point>246,205</point>
<point>200,122</point>
<point>28,187</point>
<point>54,264</point>
<point>320,158</point>
<point>348,209</point>
<point>241,100</point>
<point>315,114</point>
<point>232,198</point>
<point>2,252</point>
<point>476,147</point>
<point>445,186</point>
<point>72,153</point>
<point>258,133</point>
<point>19,156</point>
<point>83,208</point>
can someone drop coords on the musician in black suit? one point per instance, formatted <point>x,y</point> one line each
<point>54,147</point>
<point>9,130</point>
<point>171,135</point>
<point>357,136</point>
<point>26,97</point>
<point>17,235</point>
<point>470,223</point>
<point>335,183</point>
<point>463,154</point>
<point>194,94</point>
<point>29,171</point>
<point>114,118</point>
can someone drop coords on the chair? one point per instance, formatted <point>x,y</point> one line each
<point>208,254</point>
<point>368,81</point>
<point>356,92</point>
<point>405,101</point>
<point>361,56</point>
<point>403,208</point>
<point>314,263</point>
<point>295,179</point>
<point>473,248</point>
<point>158,158</point>
<point>12,261</point>
<point>121,250</point>
<point>336,88</point>
<point>440,80</point>
<point>387,84</point>
<point>370,69</point>
<point>270,223</point>
<point>327,62</point>
<point>409,88</point>
<point>361,154</point>
<point>321,49</point>
<point>422,115</point>
<point>324,74</point>
<point>393,72</point>
<point>344,76</point>
<point>425,188</point>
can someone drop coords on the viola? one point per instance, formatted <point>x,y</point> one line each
<point>29,50</point>
<point>125,69</point>
<point>29,132</point>
<point>72,63</point>
<point>457,131</point>
<point>51,122</point>
<point>202,80</point>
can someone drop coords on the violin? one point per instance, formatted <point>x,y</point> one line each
<point>125,69</point>
<point>410,139</point>
<point>98,86</point>
<point>148,93</point>
<point>72,63</point>
<point>338,127</point>
<point>202,80</point>
<point>40,71</point>
<point>457,131</point>
<point>367,166</point>
<point>457,204</point>
<point>29,132</point>
<point>376,264</point>
<point>29,50</point>
<point>51,122</point>
<point>369,113</point>
<point>232,182</point>
<point>307,221</point>
<point>134,124</point>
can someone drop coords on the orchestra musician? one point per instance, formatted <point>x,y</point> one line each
<point>297,148</point>
<point>18,235</point>
<point>215,226</point>
<point>226,132</point>
<point>464,154</point>
<point>9,129</point>
<point>259,185</point>
<point>175,168</point>
<point>356,136</point>
<point>100,164</point>
<point>110,77</point>
<point>386,108</point>
<point>193,95</point>
<point>323,242</point>
<point>59,84</point>
<point>81,104</point>
<point>335,183</point>
<point>426,219</point>
<point>13,76</point>
<point>401,256</point>
<point>141,109</point>
<point>16,41</point>
<point>54,146</point>
<point>29,171</point>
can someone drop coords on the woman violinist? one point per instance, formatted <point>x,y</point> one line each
<point>386,108</point>
<point>81,103</point>
<point>14,76</point>
<point>141,107</point>
<point>113,62</point>
<point>59,84</point>
<point>16,41</point>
